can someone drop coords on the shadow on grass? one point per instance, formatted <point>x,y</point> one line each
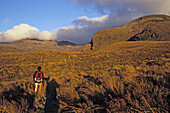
<point>52,103</point>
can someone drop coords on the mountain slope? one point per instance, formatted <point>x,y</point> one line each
<point>25,45</point>
<point>152,27</point>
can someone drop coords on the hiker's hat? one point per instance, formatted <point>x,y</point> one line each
<point>39,67</point>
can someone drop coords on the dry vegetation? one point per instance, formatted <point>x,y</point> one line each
<point>123,77</point>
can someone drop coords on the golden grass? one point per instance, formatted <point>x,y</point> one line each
<point>121,77</point>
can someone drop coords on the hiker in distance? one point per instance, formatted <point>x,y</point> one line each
<point>38,79</point>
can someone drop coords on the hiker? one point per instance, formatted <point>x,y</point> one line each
<point>91,44</point>
<point>38,79</point>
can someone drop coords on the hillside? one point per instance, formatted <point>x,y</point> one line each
<point>62,43</point>
<point>25,45</point>
<point>123,77</point>
<point>151,28</point>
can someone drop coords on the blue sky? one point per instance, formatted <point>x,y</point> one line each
<point>71,20</point>
<point>43,14</point>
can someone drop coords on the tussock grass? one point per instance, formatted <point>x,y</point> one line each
<point>123,77</point>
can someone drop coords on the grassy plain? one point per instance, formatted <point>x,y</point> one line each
<point>122,77</point>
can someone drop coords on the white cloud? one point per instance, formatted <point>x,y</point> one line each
<point>46,35</point>
<point>23,31</point>
<point>85,19</point>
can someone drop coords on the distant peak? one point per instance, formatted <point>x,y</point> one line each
<point>62,43</point>
<point>34,39</point>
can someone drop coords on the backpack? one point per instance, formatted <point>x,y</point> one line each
<point>38,76</point>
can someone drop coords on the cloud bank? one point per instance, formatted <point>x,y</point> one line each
<point>131,6</point>
<point>115,13</point>
<point>24,31</point>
